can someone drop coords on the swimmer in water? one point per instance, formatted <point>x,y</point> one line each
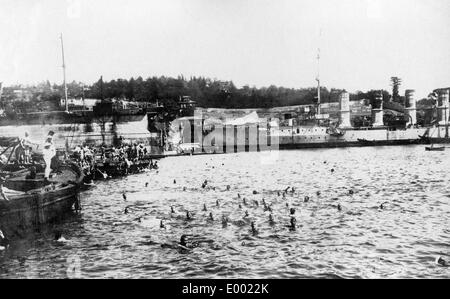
<point>161,224</point>
<point>271,220</point>
<point>240,206</point>
<point>146,184</point>
<point>306,199</point>
<point>174,181</point>
<point>256,203</point>
<point>246,214</point>
<point>181,245</point>
<point>253,230</point>
<point>172,211</point>
<point>58,237</point>
<point>292,211</point>
<point>350,192</point>
<point>211,218</point>
<point>188,215</point>
<point>318,193</point>
<point>225,221</point>
<point>278,193</point>
<point>339,207</point>
<point>244,201</point>
<point>292,226</point>
<point>183,240</point>
<point>204,207</point>
<point>217,203</point>
<point>239,195</point>
<point>124,196</point>
<point>332,170</point>
<point>186,243</point>
<point>204,184</point>
<point>184,188</point>
<point>440,261</point>
<point>126,210</point>
<point>228,187</point>
<point>292,190</point>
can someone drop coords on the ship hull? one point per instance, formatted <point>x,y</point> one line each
<point>71,131</point>
<point>246,138</point>
<point>32,208</point>
<point>62,117</point>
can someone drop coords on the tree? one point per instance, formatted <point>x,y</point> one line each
<point>395,83</point>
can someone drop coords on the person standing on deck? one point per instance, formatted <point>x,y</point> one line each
<point>27,143</point>
<point>22,150</point>
<point>49,152</point>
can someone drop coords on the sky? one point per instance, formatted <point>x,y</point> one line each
<point>251,42</point>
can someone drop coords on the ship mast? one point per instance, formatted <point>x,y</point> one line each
<point>64,74</point>
<point>318,81</point>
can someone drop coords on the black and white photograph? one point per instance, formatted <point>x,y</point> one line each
<point>198,141</point>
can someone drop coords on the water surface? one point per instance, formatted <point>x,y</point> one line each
<point>361,241</point>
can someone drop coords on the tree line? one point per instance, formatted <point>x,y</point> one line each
<point>208,93</point>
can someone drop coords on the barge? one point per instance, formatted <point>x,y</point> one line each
<point>26,203</point>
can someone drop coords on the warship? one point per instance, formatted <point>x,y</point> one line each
<point>201,134</point>
<point>252,133</point>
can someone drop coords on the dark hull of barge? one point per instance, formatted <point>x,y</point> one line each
<point>42,205</point>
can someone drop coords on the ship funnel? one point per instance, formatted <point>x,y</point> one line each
<point>410,103</point>
<point>377,110</point>
<point>344,103</point>
<point>443,106</point>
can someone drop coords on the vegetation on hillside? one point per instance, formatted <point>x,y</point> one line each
<point>208,93</point>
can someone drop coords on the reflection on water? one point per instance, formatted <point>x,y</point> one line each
<point>400,239</point>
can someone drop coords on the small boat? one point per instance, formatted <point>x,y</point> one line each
<point>27,202</point>
<point>435,148</point>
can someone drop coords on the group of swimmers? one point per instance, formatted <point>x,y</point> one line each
<point>246,217</point>
<point>186,243</point>
<point>124,156</point>
<point>130,152</point>
<point>125,152</point>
